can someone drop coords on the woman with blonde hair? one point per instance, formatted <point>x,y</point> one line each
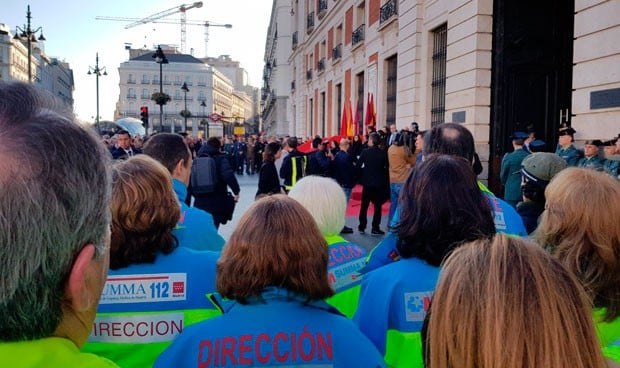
<point>154,288</point>
<point>273,274</point>
<point>325,200</point>
<point>576,230</point>
<point>504,302</point>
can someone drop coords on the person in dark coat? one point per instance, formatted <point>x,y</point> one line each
<point>345,167</point>
<point>375,183</point>
<point>125,148</point>
<point>268,179</point>
<point>220,204</point>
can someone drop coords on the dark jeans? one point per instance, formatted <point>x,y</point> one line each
<point>374,195</point>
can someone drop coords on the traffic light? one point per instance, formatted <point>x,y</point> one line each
<point>144,116</point>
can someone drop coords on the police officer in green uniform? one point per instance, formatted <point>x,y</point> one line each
<point>510,174</point>
<point>565,148</point>
<point>591,160</point>
<point>612,158</point>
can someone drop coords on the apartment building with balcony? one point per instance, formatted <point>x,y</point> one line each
<point>494,66</point>
<point>275,92</point>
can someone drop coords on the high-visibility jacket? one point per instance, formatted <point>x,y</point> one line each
<point>608,334</point>
<point>393,303</point>
<point>293,168</point>
<point>143,307</point>
<point>277,328</point>
<point>346,260</point>
<point>53,352</point>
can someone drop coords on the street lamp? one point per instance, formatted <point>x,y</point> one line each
<point>185,90</point>
<point>160,59</point>
<point>204,118</point>
<point>97,72</point>
<point>28,34</point>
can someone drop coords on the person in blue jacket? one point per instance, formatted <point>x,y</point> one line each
<point>273,276</point>
<point>394,298</point>
<point>195,228</point>
<point>452,139</point>
<point>154,289</point>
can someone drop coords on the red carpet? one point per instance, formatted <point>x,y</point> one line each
<point>353,209</point>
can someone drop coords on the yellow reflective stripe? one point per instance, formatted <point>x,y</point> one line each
<point>403,349</point>
<point>294,176</point>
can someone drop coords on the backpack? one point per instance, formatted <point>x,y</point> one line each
<point>203,177</point>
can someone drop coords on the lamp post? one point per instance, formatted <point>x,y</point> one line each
<point>160,58</point>
<point>204,118</point>
<point>28,34</point>
<point>97,72</point>
<point>185,90</point>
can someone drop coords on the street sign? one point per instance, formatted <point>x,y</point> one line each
<point>215,117</point>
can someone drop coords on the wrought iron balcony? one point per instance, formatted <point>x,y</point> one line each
<point>310,23</point>
<point>131,81</point>
<point>292,85</point>
<point>321,65</point>
<point>309,74</point>
<point>337,52</point>
<point>322,9</point>
<point>145,81</point>
<point>295,42</point>
<point>358,35</point>
<point>388,10</point>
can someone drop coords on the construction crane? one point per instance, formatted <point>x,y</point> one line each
<point>205,23</point>
<point>162,14</point>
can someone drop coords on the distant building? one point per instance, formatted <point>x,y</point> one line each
<point>47,72</point>
<point>495,66</point>
<point>210,91</point>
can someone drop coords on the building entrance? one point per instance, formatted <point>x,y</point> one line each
<point>532,73</point>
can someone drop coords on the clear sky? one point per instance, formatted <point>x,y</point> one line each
<point>73,35</point>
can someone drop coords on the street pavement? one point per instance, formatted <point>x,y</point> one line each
<point>249,185</point>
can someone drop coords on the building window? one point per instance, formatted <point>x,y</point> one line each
<point>438,84</point>
<point>311,117</point>
<point>358,115</point>
<point>339,105</point>
<point>390,90</point>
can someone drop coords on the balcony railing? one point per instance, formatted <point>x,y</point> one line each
<point>295,41</point>
<point>292,85</point>
<point>131,81</point>
<point>177,83</point>
<point>388,10</point>
<point>145,81</point>
<point>155,81</point>
<point>357,36</point>
<point>309,74</point>
<point>131,97</point>
<point>310,22</point>
<point>337,52</point>
<point>322,9</point>
<point>321,65</point>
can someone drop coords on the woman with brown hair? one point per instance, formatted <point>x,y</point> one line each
<point>273,272</point>
<point>577,231</point>
<point>154,288</point>
<point>504,302</point>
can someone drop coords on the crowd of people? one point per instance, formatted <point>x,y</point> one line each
<point>111,255</point>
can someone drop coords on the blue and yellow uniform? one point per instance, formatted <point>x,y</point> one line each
<point>279,328</point>
<point>346,260</point>
<point>195,228</point>
<point>393,303</point>
<point>506,219</point>
<point>143,307</point>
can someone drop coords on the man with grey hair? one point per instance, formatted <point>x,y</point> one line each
<point>54,231</point>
